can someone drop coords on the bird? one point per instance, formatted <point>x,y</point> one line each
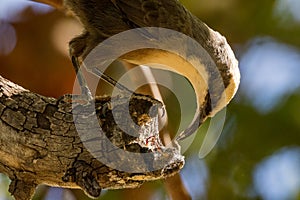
<point>214,74</point>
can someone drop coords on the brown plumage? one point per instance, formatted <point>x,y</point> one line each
<point>105,18</point>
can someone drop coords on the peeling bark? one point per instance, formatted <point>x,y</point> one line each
<point>41,144</point>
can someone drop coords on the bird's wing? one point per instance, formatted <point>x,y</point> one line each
<point>156,13</point>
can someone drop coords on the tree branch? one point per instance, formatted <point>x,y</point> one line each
<point>41,144</point>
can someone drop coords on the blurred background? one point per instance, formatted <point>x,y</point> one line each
<point>258,153</point>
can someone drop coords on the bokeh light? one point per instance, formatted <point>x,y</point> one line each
<point>10,9</point>
<point>8,38</point>
<point>195,176</point>
<point>287,10</point>
<point>270,72</point>
<point>278,176</point>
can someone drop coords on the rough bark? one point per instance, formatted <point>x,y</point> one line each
<point>41,144</point>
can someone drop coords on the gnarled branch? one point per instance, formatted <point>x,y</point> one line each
<point>44,140</point>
